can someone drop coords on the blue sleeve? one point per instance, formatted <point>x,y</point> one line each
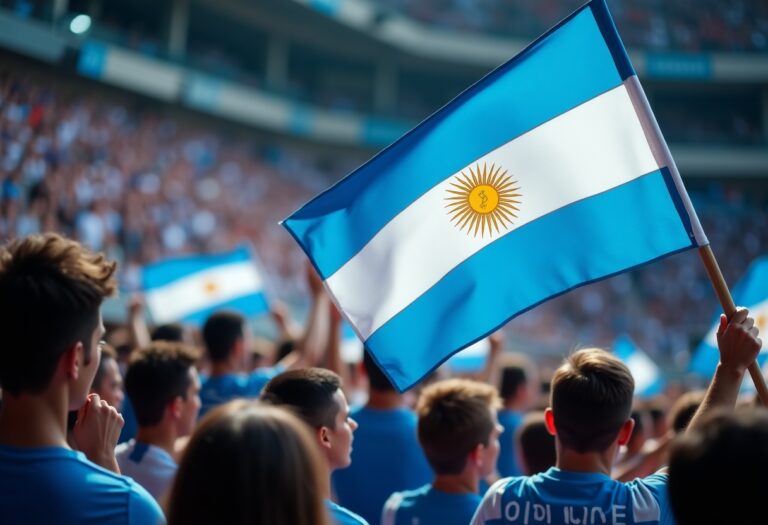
<point>656,484</point>
<point>142,508</point>
<point>260,377</point>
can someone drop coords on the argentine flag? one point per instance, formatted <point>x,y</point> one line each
<point>752,292</point>
<point>547,174</point>
<point>191,288</point>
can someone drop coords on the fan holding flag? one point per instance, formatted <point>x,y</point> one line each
<point>548,174</point>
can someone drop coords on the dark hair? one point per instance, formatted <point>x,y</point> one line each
<point>156,376</point>
<point>249,464</point>
<point>454,417</point>
<point>220,332</point>
<point>51,289</point>
<point>168,332</point>
<point>536,444</point>
<point>591,399</point>
<point>308,392</point>
<point>717,470</point>
<point>511,379</point>
<point>376,378</point>
<point>284,348</point>
<point>107,352</point>
<point>683,410</point>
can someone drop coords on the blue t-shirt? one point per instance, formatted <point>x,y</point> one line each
<point>557,497</point>
<point>429,506</point>
<point>342,516</point>
<point>131,426</point>
<point>40,486</point>
<point>220,389</point>
<point>386,458</point>
<point>508,464</point>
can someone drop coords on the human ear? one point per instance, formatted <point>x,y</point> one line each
<point>626,431</point>
<point>323,437</point>
<point>71,359</point>
<point>549,421</point>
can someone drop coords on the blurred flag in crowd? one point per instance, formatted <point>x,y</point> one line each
<point>351,347</point>
<point>470,360</point>
<point>190,288</point>
<point>648,379</point>
<point>547,174</point>
<point>752,292</point>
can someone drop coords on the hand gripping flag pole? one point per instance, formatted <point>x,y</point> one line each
<point>729,308</point>
<point>662,153</point>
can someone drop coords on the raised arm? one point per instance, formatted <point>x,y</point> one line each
<point>739,345</point>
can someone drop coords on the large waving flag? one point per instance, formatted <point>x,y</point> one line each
<point>190,288</point>
<point>547,174</point>
<point>751,291</point>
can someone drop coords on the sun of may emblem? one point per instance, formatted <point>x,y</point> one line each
<point>483,200</point>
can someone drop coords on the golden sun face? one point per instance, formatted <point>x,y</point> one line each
<point>484,200</point>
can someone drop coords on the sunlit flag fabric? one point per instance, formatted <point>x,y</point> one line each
<point>547,174</point>
<point>649,381</point>
<point>752,292</point>
<point>190,288</point>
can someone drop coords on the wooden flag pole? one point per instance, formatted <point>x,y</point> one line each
<point>724,295</point>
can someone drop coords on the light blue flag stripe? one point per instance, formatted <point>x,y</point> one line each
<point>644,217</point>
<point>167,271</point>
<point>247,305</point>
<point>529,90</point>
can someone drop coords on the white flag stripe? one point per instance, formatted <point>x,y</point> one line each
<point>199,290</point>
<point>643,370</point>
<point>590,149</point>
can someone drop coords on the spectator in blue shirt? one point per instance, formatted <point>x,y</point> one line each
<point>387,456</point>
<point>459,432</point>
<point>163,385</point>
<point>591,403</point>
<point>315,395</point>
<point>226,336</point>
<point>51,290</point>
<point>517,386</point>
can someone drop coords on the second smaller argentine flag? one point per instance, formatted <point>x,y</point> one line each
<point>191,288</point>
<point>547,174</point>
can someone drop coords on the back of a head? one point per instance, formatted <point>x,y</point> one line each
<point>454,417</point>
<point>220,332</point>
<point>308,392</point>
<point>376,378</point>
<point>51,289</point>
<point>717,470</point>
<point>249,464</point>
<point>514,374</point>
<point>168,332</point>
<point>683,410</point>
<point>156,375</point>
<point>591,399</point>
<point>536,444</point>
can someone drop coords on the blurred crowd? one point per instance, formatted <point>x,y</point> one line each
<point>140,184</point>
<point>143,184</point>
<point>659,25</point>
